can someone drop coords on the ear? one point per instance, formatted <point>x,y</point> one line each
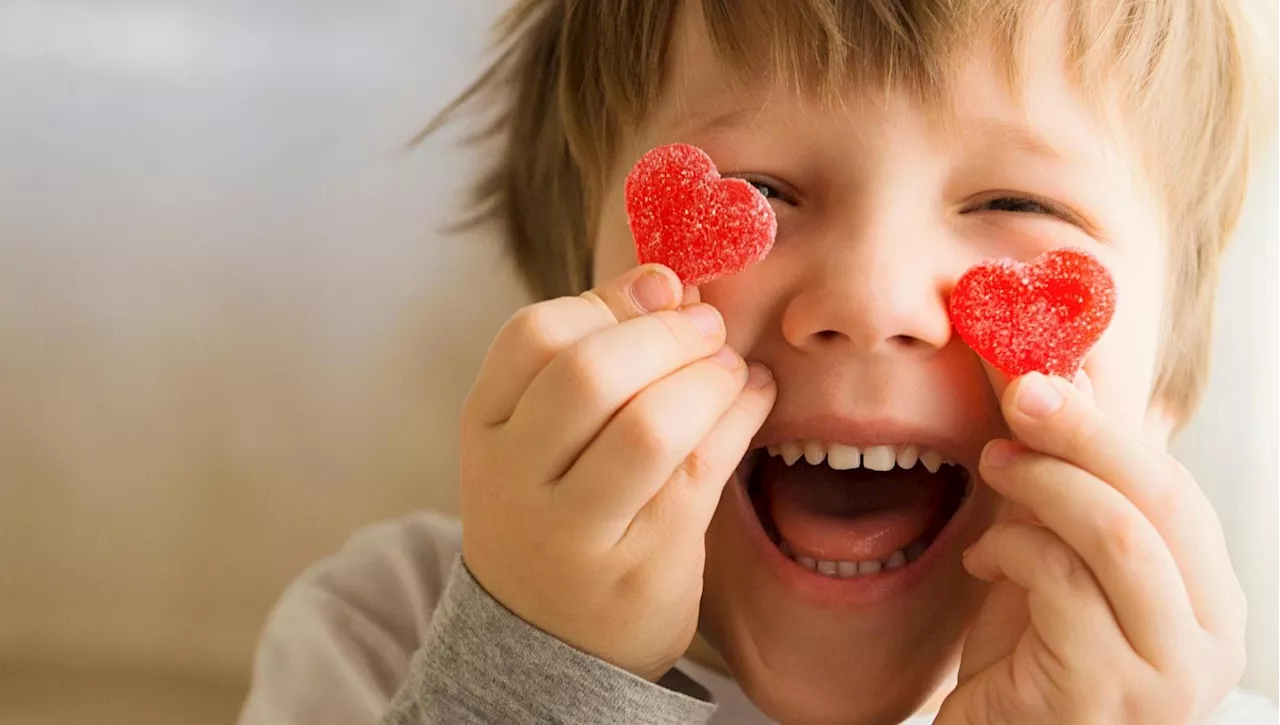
<point>1159,425</point>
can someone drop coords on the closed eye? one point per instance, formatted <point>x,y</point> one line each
<point>1018,204</point>
<point>1015,203</point>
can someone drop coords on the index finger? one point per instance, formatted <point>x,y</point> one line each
<point>1065,423</point>
<point>537,333</point>
<point>1000,382</point>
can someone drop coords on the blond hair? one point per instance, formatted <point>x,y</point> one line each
<point>572,77</point>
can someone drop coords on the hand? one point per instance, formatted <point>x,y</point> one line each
<point>595,445</point>
<point>1113,597</point>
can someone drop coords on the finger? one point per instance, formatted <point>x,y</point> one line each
<point>998,379</point>
<point>576,394</point>
<point>1059,419</point>
<point>1000,624</point>
<point>641,447</point>
<point>1000,382</point>
<point>1067,607</point>
<point>1084,384</point>
<point>640,291</point>
<point>1119,545</point>
<point>692,296</point>
<point>537,333</point>
<point>687,501</point>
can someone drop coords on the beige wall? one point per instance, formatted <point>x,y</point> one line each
<point>164,478</point>
<point>230,329</point>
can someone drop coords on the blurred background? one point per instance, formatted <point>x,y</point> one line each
<point>231,331</point>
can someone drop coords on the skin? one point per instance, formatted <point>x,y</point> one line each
<point>599,500</point>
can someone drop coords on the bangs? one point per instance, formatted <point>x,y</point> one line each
<point>1163,66</point>
<point>826,48</point>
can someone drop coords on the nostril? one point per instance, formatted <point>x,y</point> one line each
<point>905,340</point>
<point>827,335</point>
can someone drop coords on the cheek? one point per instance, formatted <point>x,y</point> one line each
<point>746,300</point>
<point>1122,366</point>
<point>614,250</point>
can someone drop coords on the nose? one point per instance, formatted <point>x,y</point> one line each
<point>873,296</point>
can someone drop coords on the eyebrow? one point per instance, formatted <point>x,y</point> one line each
<point>1013,136</point>
<point>1006,135</point>
<point>711,121</point>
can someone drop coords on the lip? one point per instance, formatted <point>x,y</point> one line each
<point>863,432</point>
<point>867,591</point>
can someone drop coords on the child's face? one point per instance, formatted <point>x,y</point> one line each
<point>879,213</point>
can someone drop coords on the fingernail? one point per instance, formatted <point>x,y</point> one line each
<point>651,292</point>
<point>727,357</point>
<point>705,318</point>
<point>999,453</point>
<point>1083,383</point>
<point>1038,396</point>
<point>758,376</point>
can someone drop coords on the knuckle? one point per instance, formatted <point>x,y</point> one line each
<point>696,467</point>
<point>642,432</point>
<point>1180,472</point>
<point>470,416</point>
<point>536,326</point>
<point>676,329</point>
<point>1165,501</point>
<point>582,372</point>
<point>1168,503</point>
<point>1083,430</point>
<point>1060,563</point>
<point>1120,535</point>
<point>1240,602</point>
<point>635,583</point>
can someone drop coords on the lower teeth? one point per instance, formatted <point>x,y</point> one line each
<point>851,569</point>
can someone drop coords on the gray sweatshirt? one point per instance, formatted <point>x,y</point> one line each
<point>392,629</point>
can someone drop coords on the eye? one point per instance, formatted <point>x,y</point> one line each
<point>1018,204</point>
<point>769,189</point>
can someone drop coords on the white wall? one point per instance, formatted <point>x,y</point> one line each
<point>1231,445</point>
<point>230,332</point>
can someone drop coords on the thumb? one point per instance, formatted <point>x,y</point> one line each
<point>692,296</point>
<point>998,379</point>
<point>1084,383</point>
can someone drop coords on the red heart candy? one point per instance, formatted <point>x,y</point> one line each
<point>1044,315</point>
<point>684,215</point>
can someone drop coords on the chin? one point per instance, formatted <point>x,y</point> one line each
<point>807,624</point>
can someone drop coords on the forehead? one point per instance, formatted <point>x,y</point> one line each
<point>978,89</point>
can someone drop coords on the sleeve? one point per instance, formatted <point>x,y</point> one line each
<point>480,663</point>
<point>321,660</point>
<point>394,629</point>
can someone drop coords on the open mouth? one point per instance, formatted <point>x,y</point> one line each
<point>847,512</point>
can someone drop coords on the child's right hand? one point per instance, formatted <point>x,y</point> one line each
<point>595,445</point>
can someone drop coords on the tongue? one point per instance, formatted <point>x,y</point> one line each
<point>855,515</point>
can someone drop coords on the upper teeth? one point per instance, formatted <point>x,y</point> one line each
<point>842,458</point>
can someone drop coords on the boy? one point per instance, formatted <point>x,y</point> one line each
<point>633,494</point>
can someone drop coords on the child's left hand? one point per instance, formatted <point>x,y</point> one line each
<point>1113,598</point>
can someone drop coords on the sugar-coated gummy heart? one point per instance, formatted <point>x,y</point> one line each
<point>1043,315</point>
<point>685,215</point>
